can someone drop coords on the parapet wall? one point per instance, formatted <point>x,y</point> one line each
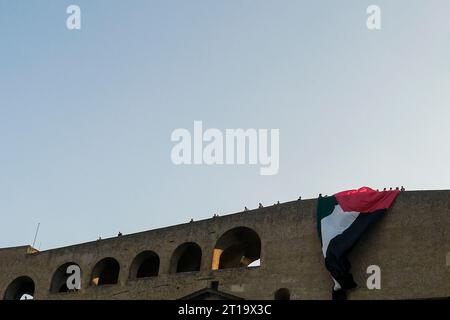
<point>411,245</point>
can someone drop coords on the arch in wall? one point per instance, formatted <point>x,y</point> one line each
<point>238,247</point>
<point>186,258</point>
<point>282,294</point>
<point>144,265</point>
<point>60,277</point>
<point>21,288</point>
<point>106,271</point>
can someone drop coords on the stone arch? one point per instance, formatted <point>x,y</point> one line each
<point>106,271</point>
<point>144,265</point>
<point>238,247</point>
<point>20,288</point>
<point>187,257</point>
<point>59,278</point>
<point>282,294</point>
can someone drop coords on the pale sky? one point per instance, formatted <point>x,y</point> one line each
<point>86,115</point>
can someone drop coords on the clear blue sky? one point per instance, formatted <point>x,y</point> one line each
<point>86,116</point>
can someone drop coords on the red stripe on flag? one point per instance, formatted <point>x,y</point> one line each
<point>366,199</point>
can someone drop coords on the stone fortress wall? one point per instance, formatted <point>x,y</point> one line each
<point>411,245</point>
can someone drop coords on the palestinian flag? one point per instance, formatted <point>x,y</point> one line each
<point>341,221</point>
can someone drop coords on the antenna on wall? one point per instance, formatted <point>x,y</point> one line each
<point>36,234</point>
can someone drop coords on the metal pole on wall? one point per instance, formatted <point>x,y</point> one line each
<point>35,235</point>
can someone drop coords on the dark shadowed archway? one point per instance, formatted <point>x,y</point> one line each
<point>238,247</point>
<point>144,265</point>
<point>106,271</point>
<point>59,279</point>
<point>20,289</point>
<point>186,258</point>
<point>282,294</point>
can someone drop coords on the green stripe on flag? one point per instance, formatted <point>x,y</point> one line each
<point>325,207</point>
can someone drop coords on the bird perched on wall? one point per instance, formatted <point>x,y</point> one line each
<point>300,198</point>
<point>245,209</point>
<point>192,220</point>
<point>260,205</point>
<point>119,234</point>
<point>320,195</point>
<point>278,202</point>
<point>402,189</point>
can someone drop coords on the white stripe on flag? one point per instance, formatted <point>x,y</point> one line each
<point>334,224</point>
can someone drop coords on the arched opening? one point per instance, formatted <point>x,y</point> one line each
<point>186,258</point>
<point>22,288</point>
<point>238,247</point>
<point>146,264</point>
<point>282,294</point>
<point>106,271</point>
<point>59,280</point>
